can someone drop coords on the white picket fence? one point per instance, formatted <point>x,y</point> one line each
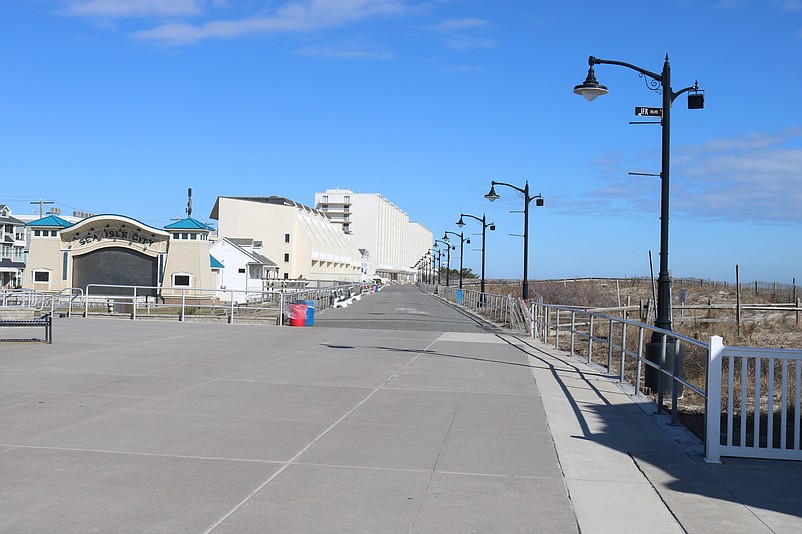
<point>763,387</point>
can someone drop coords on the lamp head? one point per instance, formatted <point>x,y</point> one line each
<point>492,196</point>
<point>445,236</point>
<point>539,201</point>
<point>590,88</point>
<point>468,241</point>
<point>492,226</point>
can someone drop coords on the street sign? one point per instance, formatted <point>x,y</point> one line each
<point>642,111</point>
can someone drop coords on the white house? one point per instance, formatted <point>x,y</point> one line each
<point>244,268</point>
<point>12,247</point>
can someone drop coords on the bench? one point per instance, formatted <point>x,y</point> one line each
<point>45,321</point>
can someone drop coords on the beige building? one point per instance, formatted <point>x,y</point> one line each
<point>114,250</point>
<point>299,239</point>
<point>376,225</point>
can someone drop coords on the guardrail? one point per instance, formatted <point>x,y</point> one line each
<point>181,302</point>
<point>754,410</point>
<point>229,305</point>
<point>616,335</point>
<point>504,309</point>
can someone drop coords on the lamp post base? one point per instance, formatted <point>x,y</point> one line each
<point>674,362</point>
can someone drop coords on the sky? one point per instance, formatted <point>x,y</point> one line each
<point>120,106</point>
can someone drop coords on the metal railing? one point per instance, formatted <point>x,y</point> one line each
<point>623,350</point>
<point>503,309</point>
<point>763,387</point>
<point>230,305</point>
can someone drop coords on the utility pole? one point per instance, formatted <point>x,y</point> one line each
<point>41,206</point>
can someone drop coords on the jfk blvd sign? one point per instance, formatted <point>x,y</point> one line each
<point>642,111</point>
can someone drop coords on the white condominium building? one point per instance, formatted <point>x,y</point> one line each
<point>376,225</point>
<point>301,241</point>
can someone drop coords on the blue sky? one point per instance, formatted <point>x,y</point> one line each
<point>121,105</point>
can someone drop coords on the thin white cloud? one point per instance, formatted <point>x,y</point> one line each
<point>461,34</point>
<point>292,17</point>
<point>116,9</point>
<point>452,25</point>
<point>344,53</point>
<point>754,177</point>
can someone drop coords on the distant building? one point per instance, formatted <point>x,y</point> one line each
<point>376,225</point>
<point>301,240</point>
<point>117,250</point>
<point>243,267</point>
<point>12,249</point>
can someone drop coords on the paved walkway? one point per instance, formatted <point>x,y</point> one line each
<point>124,426</point>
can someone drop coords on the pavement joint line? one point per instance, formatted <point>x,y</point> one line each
<point>308,445</point>
<point>440,452</point>
<point>410,470</point>
<point>142,454</point>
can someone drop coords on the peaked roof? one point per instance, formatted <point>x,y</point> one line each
<point>188,224</point>
<point>258,258</point>
<point>51,221</point>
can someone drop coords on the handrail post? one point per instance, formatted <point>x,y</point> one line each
<point>557,329</point>
<point>573,330</point>
<point>663,342</point>
<point>590,341</point>
<point>231,309</point>
<point>713,401</point>
<point>639,365</point>
<point>183,302</point>
<point>609,346</point>
<point>674,382</point>
<point>133,306</point>
<point>623,352</point>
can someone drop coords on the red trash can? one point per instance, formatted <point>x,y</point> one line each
<point>297,312</point>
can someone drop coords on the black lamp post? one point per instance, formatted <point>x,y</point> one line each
<point>462,241</point>
<point>661,83</point>
<point>485,225</point>
<point>438,261</point>
<point>449,248</point>
<point>492,196</point>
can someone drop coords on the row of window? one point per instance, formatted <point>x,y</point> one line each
<point>45,233</point>
<point>190,236</point>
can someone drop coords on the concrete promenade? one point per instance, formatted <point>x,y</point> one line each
<point>147,426</point>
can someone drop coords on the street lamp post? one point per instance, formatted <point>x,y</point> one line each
<point>485,225</point>
<point>492,196</point>
<point>448,258</point>
<point>438,261</point>
<point>661,83</point>
<point>462,241</point>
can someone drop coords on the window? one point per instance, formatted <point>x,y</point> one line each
<point>176,236</point>
<point>286,276</point>
<point>325,198</point>
<point>286,258</point>
<point>181,280</point>
<point>41,276</point>
<point>286,238</point>
<point>193,236</point>
<point>241,271</point>
<point>347,199</point>
<point>185,236</point>
<point>37,233</point>
<point>53,233</point>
